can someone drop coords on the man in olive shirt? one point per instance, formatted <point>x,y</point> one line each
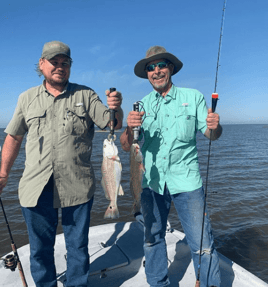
<point>170,118</point>
<point>58,117</point>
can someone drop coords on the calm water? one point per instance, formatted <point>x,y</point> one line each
<point>237,195</point>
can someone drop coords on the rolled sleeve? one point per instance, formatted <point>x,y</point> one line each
<point>99,112</point>
<point>17,126</point>
<point>202,115</point>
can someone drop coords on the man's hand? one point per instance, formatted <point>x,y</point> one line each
<point>134,119</point>
<point>214,129</point>
<point>114,99</point>
<point>213,120</point>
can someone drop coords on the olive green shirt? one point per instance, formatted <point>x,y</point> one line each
<point>59,142</point>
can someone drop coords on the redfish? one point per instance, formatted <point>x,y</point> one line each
<point>111,177</point>
<point>136,175</point>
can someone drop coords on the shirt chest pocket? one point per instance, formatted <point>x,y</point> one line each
<point>76,121</point>
<point>36,122</point>
<point>186,126</point>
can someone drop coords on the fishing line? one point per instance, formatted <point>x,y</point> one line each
<point>214,104</point>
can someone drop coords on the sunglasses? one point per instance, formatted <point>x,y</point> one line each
<point>160,65</point>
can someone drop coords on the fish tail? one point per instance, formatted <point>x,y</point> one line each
<point>112,212</point>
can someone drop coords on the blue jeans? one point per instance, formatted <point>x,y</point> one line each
<point>189,206</point>
<point>42,221</point>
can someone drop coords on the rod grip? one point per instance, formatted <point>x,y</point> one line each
<point>112,115</point>
<point>136,129</point>
<point>136,107</point>
<point>215,98</point>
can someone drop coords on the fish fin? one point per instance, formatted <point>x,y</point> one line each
<point>111,212</point>
<point>114,157</point>
<point>121,191</point>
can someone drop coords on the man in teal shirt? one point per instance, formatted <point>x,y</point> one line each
<point>169,119</point>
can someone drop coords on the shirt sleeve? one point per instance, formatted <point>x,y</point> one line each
<point>98,112</point>
<point>201,114</point>
<point>17,126</point>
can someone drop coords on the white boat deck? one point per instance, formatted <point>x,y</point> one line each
<point>116,255</point>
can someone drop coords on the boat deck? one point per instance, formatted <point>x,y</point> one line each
<point>116,255</point>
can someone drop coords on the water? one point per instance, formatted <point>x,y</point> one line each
<point>237,195</point>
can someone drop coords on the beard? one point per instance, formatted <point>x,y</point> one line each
<point>163,86</point>
<point>59,82</point>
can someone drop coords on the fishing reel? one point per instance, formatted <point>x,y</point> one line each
<point>10,262</point>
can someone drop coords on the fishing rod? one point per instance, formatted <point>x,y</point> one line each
<point>214,100</point>
<point>12,261</point>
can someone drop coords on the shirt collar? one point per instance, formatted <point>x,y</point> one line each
<point>170,96</point>
<point>48,93</point>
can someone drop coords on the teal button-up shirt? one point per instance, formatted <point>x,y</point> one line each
<point>169,132</point>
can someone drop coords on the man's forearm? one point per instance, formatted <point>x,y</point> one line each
<point>119,115</point>
<point>214,134</point>
<point>10,151</point>
<point>126,139</point>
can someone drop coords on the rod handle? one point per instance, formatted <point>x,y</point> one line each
<point>136,129</point>
<point>215,98</point>
<point>22,276</point>
<point>112,115</point>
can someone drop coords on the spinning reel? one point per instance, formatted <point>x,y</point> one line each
<point>11,262</point>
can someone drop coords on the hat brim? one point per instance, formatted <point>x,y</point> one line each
<point>139,68</point>
<point>52,55</point>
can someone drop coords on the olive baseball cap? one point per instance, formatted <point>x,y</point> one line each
<point>54,48</point>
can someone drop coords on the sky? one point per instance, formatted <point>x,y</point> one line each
<point>108,37</point>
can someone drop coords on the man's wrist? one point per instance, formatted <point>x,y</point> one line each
<point>3,174</point>
<point>120,113</point>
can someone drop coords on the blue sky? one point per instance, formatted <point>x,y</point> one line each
<point>107,38</point>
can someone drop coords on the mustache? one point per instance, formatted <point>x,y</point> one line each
<point>158,77</point>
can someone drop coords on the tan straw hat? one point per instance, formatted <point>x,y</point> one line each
<point>154,53</point>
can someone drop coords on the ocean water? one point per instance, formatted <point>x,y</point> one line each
<point>237,195</point>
